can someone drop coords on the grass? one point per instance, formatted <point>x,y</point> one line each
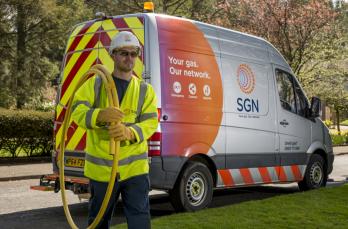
<point>344,123</point>
<point>323,208</point>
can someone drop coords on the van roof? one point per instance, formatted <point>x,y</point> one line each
<point>275,56</point>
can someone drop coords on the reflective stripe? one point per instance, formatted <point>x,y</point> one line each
<point>132,158</point>
<point>109,163</point>
<point>146,116</point>
<point>139,131</point>
<point>98,161</point>
<point>142,93</point>
<point>89,118</point>
<point>79,103</point>
<point>128,123</point>
<point>97,91</point>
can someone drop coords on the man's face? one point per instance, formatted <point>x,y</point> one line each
<point>125,58</point>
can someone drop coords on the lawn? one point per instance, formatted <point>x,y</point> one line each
<point>323,208</point>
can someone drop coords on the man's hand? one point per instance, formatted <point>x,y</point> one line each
<point>120,132</point>
<point>110,114</point>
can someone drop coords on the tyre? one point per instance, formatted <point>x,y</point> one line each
<point>316,174</point>
<point>194,188</point>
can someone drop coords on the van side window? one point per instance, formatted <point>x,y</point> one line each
<point>301,101</point>
<point>290,93</point>
<point>286,91</point>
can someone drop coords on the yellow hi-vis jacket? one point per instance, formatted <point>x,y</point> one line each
<point>140,107</point>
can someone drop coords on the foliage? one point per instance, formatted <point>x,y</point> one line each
<point>338,140</point>
<point>312,36</point>
<point>33,35</point>
<point>344,123</point>
<point>291,26</point>
<point>28,131</point>
<point>328,123</point>
<point>206,10</point>
<point>322,208</point>
<point>339,137</point>
<point>327,72</point>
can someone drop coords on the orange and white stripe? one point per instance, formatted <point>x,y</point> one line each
<point>260,175</point>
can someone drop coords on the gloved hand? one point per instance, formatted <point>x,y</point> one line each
<point>120,132</point>
<point>110,114</point>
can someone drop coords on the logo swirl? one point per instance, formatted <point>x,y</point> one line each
<point>246,79</point>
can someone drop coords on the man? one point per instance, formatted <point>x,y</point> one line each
<point>138,116</point>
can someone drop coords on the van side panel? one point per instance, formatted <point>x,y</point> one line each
<point>251,133</point>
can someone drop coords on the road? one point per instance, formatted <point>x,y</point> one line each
<point>21,207</point>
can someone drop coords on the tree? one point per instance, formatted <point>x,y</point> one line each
<point>33,35</point>
<point>205,10</point>
<point>328,74</point>
<point>291,26</point>
<point>312,35</point>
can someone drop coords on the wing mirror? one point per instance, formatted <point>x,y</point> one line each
<point>315,109</point>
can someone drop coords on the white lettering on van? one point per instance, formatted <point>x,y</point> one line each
<point>191,64</point>
<point>176,61</point>
<point>174,71</point>
<point>196,74</point>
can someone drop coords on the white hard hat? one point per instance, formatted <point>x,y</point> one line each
<point>124,39</point>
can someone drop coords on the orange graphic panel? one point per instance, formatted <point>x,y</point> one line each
<point>191,88</point>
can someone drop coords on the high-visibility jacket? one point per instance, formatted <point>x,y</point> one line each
<point>140,107</point>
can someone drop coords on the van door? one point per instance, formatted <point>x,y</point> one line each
<point>293,126</point>
<point>249,110</point>
<point>88,45</point>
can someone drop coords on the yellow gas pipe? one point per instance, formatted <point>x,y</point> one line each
<point>114,147</point>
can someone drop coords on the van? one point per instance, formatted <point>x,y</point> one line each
<point>232,113</point>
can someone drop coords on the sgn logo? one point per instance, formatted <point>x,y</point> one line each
<point>246,79</point>
<point>246,82</point>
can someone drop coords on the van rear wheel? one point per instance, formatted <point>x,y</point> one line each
<point>194,189</point>
<point>316,174</point>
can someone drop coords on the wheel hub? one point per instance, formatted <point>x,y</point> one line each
<point>316,174</point>
<point>196,189</point>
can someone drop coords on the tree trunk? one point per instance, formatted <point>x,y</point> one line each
<point>21,54</point>
<point>338,119</point>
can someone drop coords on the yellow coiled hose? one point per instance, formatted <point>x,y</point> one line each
<point>114,147</point>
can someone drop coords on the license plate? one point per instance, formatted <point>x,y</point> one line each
<point>75,162</point>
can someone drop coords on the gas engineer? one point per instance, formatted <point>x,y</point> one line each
<point>138,116</point>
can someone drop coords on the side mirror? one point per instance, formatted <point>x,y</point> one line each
<point>315,109</point>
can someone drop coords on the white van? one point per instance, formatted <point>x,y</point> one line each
<point>232,113</point>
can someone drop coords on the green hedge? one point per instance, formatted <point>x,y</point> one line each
<point>344,123</point>
<point>25,133</point>
<point>338,140</point>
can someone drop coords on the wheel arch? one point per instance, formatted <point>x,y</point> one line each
<point>202,158</point>
<point>319,149</point>
<point>323,154</point>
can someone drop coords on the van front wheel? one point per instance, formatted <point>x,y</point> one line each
<point>194,189</point>
<point>316,175</point>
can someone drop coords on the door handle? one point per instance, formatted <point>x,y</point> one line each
<point>284,123</point>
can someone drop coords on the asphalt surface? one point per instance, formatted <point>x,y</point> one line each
<point>36,170</point>
<point>25,208</point>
